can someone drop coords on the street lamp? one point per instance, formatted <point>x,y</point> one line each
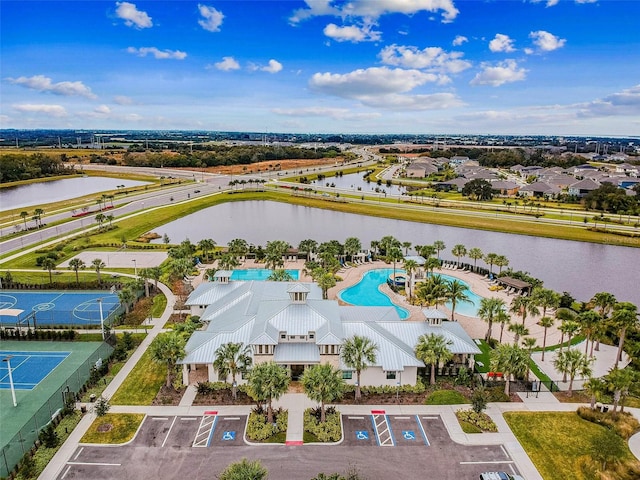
<point>13,390</point>
<point>135,267</point>
<point>101,318</point>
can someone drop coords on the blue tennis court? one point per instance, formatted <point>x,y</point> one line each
<point>28,368</point>
<point>58,308</point>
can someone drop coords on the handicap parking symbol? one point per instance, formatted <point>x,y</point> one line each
<point>362,435</point>
<point>229,436</point>
<point>408,435</point>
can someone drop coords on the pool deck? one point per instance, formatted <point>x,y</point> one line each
<point>475,327</point>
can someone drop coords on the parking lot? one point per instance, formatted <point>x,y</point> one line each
<point>197,447</point>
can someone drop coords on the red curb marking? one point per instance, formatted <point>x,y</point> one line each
<point>293,443</point>
<point>377,412</point>
<point>211,412</point>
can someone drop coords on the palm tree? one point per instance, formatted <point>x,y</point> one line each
<point>100,220</point>
<point>325,281</point>
<point>564,315</point>
<point>432,264</point>
<point>352,245</point>
<point>503,319</point>
<point>571,363</point>
<point>501,261</point>
<point>126,296</point>
<point>439,246</point>
<point>522,306</point>
<point>98,265</point>
<point>528,343</point>
<point>475,254</point>
<point>358,353</point>
<point>432,349</point>
<point>394,254</point>
<point>308,246</point>
<point>624,317</point>
<point>49,264</point>
<point>38,212</point>
<point>155,273</point>
<point>231,359</point>
<point>605,302</point>
<point>323,383</point>
<point>76,264</point>
<point>433,291</point>
<point>274,251</point>
<point>238,247</point>
<point>594,387</point>
<point>228,261</point>
<point>280,275</point>
<point>545,322</point>
<point>458,251</point>
<point>168,348</point>
<point>267,382</point>
<point>620,381</point>
<point>406,246</point>
<point>24,215</point>
<point>206,245</point>
<point>489,308</point>
<point>490,259</point>
<point>589,321</point>
<point>510,360</point>
<point>410,266</point>
<point>518,331</point>
<point>455,292</point>
<point>545,299</point>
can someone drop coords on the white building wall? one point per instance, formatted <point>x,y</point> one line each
<point>375,376</point>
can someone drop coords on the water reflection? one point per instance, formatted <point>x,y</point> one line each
<point>580,268</point>
<point>59,190</point>
<point>355,182</point>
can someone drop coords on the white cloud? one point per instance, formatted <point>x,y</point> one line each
<point>586,1</point>
<point>553,3</point>
<point>44,84</point>
<point>503,72</point>
<point>132,16</point>
<point>545,41</point>
<point>431,58</point>
<point>273,67</point>
<point>459,40</point>
<point>49,110</point>
<point>102,110</point>
<point>626,102</point>
<point>334,113</point>
<point>501,43</point>
<point>374,9</point>
<point>352,33</point>
<point>435,101</point>
<point>227,64</point>
<point>211,18</point>
<point>370,81</point>
<point>157,53</point>
<point>123,100</point>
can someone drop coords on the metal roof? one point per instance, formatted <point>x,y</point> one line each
<point>297,353</point>
<point>434,313</point>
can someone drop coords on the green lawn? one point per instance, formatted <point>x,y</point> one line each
<point>143,383</point>
<point>483,357</point>
<point>446,397</point>
<point>113,428</point>
<point>557,442</point>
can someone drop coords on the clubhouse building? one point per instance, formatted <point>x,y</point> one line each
<point>291,324</point>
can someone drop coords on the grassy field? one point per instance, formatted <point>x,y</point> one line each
<point>142,384</point>
<point>113,428</point>
<point>446,397</point>
<point>559,443</point>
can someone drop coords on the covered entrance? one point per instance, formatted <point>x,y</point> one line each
<point>296,356</point>
<point>296,372</point>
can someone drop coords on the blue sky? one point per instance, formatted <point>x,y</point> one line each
<point>559,67</point>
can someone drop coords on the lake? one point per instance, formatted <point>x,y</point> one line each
<point>579,268</point>
<point>59,190</point>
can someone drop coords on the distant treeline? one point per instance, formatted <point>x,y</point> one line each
<point>221,155</point>
<point>499,158</point>
<point>16,166</point>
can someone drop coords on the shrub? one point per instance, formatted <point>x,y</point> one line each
<point>259,430</point>
<point>624,424</point>
<point>329,431</point>
<point>49,436</point>
<point>479,399</point>
<point>480,420</point>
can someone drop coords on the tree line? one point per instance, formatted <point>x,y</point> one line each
<point>16,166</point>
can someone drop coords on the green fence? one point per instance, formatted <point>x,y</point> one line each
<point>26,437</point>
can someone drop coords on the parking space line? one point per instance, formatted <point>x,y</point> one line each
<point>401,418</point>
<point>382,428</point>
<point>230,418</point>
<point>188,419</point>
<point>169,432</point>
<point>504,451</point>
<point>66,471</point>
<point>355,418</point>
<point>100,464</point>
<point>430,418</point>
<point>205,430</point>
<point>160,418</point>
<point>422,432</point>
<point>79,452</point>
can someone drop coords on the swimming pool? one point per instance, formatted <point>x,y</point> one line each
<point>260,274</point>
<point>366,292</point>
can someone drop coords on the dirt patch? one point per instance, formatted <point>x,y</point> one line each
<point>105,427</point>
<point>169,396</point>
<point>223,397</point>
<point>269,166</point>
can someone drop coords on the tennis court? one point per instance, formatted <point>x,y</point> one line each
<point>28,369</point>
<point>58,307</point>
